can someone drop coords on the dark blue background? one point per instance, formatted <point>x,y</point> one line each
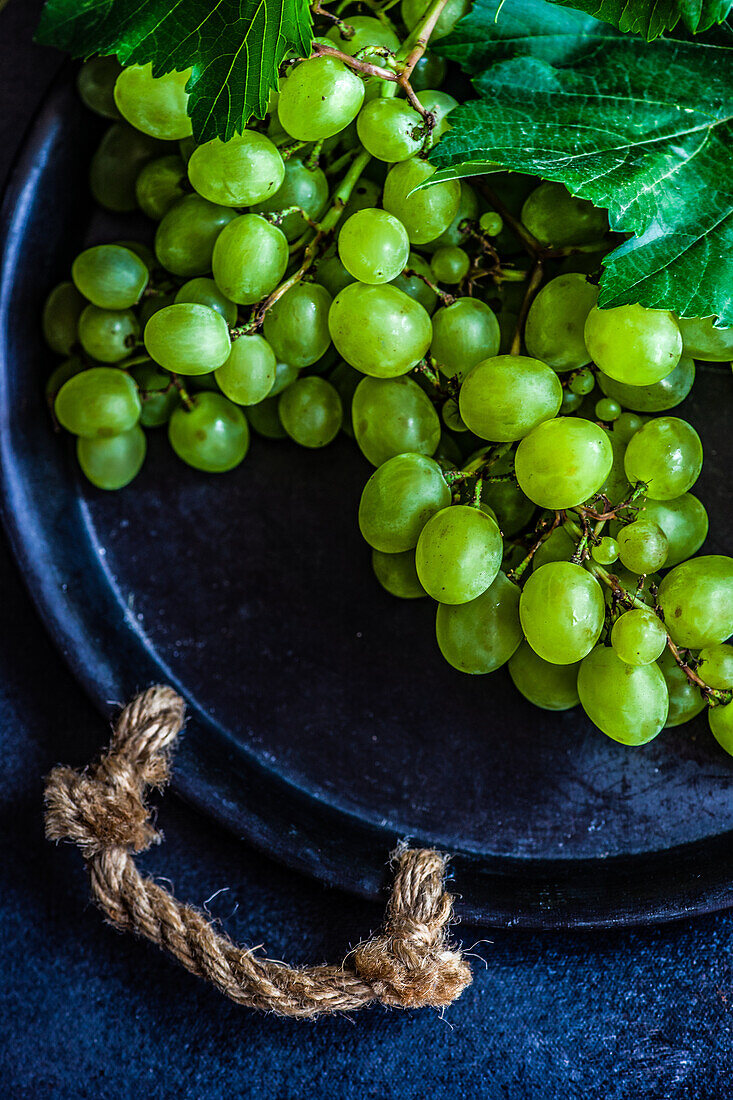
<point>85,1012</point>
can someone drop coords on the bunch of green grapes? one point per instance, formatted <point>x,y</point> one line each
<point>528,474</point>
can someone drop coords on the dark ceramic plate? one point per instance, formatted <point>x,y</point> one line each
<point>324,724</point>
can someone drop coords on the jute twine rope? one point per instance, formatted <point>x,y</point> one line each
<point>102,810</point>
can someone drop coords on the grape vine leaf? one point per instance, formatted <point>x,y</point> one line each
<point>233,47</point>
<point>643,129</point>
<point>650,18</point>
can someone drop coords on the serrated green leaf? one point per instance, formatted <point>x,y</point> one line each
<point>233,47</point>
<point>650,18</point>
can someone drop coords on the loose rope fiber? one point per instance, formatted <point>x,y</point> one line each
<point>409,964</point>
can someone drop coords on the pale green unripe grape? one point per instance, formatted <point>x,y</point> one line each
<point>685,700</point>
<point>505,397</point>
<point>412,11</point>
<point>60,321</point>
<point>285,374</point>
<point>393,416</point>
<point>116,164</point>
<point>513,509</point>
<point>632,344</point>
<point>188,338</point>
<point>562,610</point>
<point>311,412</point>
<point>397,574</point>
<point>112,463</point>
<point>296,326</point>
<point>684,522</point>
<point>303,187</point>
<point>453,235</point>
<point>362,31</point>
<point>450,265</point>
<point>626,426</point>
<point>185,237</point>
<point>616,486</point>
<point>583,382</point>
<point>160,184</point>
<point>250,258</point>
<point>95,83</point>
<point>212,435</point>
<point>558,546</point>
<point>424,214</point>
<point>440,105</point>
<point>555,326</point>
<point>249,373</point>
<point>413,286</point>
<point>331,274</point>
<point>452,416</point>
<point>240,172</point>
<point>563,462</point>
<point>629,704</point>
<point>702,340</point>
<point>659,396</point>
<point>319,98</point>
<point>109,276</point>
<point>429,72</point>
<point>155,105</point>
<point>98,403</point>
<point>638,637</point>
<point>373,245</point>
<point>642,546</point>
<point>390,129</point>
<point>158,394</point>
<point>464,333</point>
<point>607,409</point>
<point>606,551</point>
<point>458,554</point>
<point>108,335</point>
<point>716,666</point>
<point>379,330</point>
<point>265,419</point>
<point>557,218</point>
<point>398,500</point>
<point>205,292</point>
<point>696,598</point>
<point>480,636</point>
<point>492,224</point>
<point>667,454</point>
<point>551,687</point>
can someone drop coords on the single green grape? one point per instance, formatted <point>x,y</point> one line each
<point>696,598</point>
<point>412,11</point>
<point>109,276</point>
<point>248,375</point>
<point>112,463</point>
<point>331,274</point>
<point>304,187</point>
<point>658,397</point>
<point>424,214</point>
<point>245,170</point>
<point>429,72</point>
<point>464,333</point>
<point>373,245</point>
<point>397,574</point>
<point>160,184</point>
<point>285,375</point>
<point>626,426</point>
<point>265,419</point>
<point>357,32</point>
<point>492,224</point>
<point>158,394</point>
<point>250,258</point>
<point>563,462</point>
<point>204,292</point>
<point>562,610</point>
<point>628,703</point>
<point>716,666</point>
<point>98,403</point>
<point>454,236</point>
<point>188,338</point>
<point>95,83</point>
<point>551,687</point>
<point>379,330</point>
<point>632,344</point>
<point>458,554</point>
<point>642,546</point>
<point>557,218</point>
<point>721,726</point>
<point>121,155</point>
<point>583,382</point>
<point>607,409</point>
<point>60,321</point>
<point>296,326</point>
<point>398,500</point>
<point>480,636</point>
<point>319,98</point>
<point>413,285</point>
<point>685,700</point>
<point>450,265</point>
<point>108,335</point>
<point>390,129</point>
<point>606,551</point>
<point>156,105</point>
<point>702,340</point>
<point>571,402</point>
<point>452,416</point>
<point>638,637</point>
<point>505,397</point>
<point>555,326</point>
<point>684,522</point>
<point>393,416</point>
<point>440,105</point>
<point>513,509</point>
<point>666,454</point>
<point>185,238</point>
<point>558,546</point>
<point>311,412</point>
<point>212,435</point>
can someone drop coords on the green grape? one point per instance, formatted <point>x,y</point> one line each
<point>188,338</point>
<point>424,214</point>
<point>122,154</point>
<point>666,454</point>
<point>296,326</point>
<point>558,546</point>
<point>397,574</point>
<point>685,700</point>
<point>285,375</point>
<point>583,382</point>
<point>429,72</point>
<point>464,333</point>
<point>250,258</point>
<point>480,636</point>
<point>311,412</point>
<point>63,372</point>
<point>642,546</point>
<point>616,486</point>
<point>562,611</point>
<point>608,409</point>
<point>346,379</point>
<point>108,335</point>
<point>638,637</point>
<point>721,726</point>
<point>98,403</point>
<point>95,83</point>
<point>161,183</point>
<point>141,251</point>
<point>398,500</point>
<point>212,435</point>
<point>319,98</point>
<point>660,396</point>
<point>412,11</point>
<point>440,105</point>
<point>454,236</point>
<point>158,394</point>
<point>109,276</point>
<point>240,172</point>
<point>563,462</point>
<point>452,416</point>
<point>248,374</point>
<point>626,426</point>
<point>379,330</point>
<point>390,129</point>
<point>205,292</point>
<point>684,522</point>
<point>373,245</point>
<point>152,305</point>
<point>393,416</point>
<point>265,419</point>
<point>112,463</point>
<point>186,235</point>
<point>503,398</point>
<point>60,322</point>
<point>716,666</point>
<point>557,218</point>
<point>304,187</point>
<point>492,224</point>
<point>513,509</point>
<point>450,265</point>
<point>458,554</point>
<point>629,704</point>
<point>696,598</point>
<point>702,340</point>
<point>571,402</point>
<point>552,687</point>
<point>606,551</point>
<point>156,105</point>
<point>415,287</point>
<point>362,31</point>
<point>632,344</point>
